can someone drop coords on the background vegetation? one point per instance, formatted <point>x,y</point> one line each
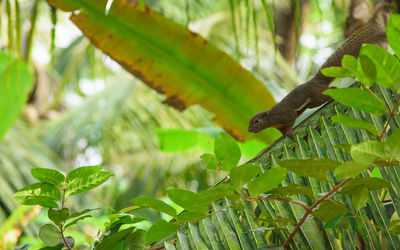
<point>84,109</point>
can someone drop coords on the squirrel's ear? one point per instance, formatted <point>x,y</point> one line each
<point>265,115</point>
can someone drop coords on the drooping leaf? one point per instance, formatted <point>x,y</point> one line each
<point>136,240</point>
<point>187,199</point>
<point>316,168</point>
<point>393,32</point>
<point>211,160</point>
<point>76,221</point>
<point>15,82</point>
<point>243,174</point>
<point>335,71</point>
<point>58,215</point>
<point>111,240</point>
<point>173,61</point>
<point>160,230</point>
<point>350,169</point>
<point>357,98</point>
<point>292,189</point>
<point>267,181</point>
<point>41,193</point>
<point>328,211</point>
<point>50,235</point>
<point>359,197</point>
<point>49,175</point>
<point>353,122</point>
<point>227,151</point>
<point>387,66</point>
<point>146,201</point>
<point>80,185</point>
<point>370,183</point>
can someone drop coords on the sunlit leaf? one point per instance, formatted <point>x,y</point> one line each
<point>42,193</point>
<point>211,160</point>
<point>353,122</point>
<point>349,63</point>
<point>243,174</point>
<point>187,199</point>
<point>336,71</point>
<point>227,151</point>
<point>367,152</point>
<point>357,98</point>
<point>387,66</point>
<point>182,140</point>
<point>393,32</point>
<point>267,181</point>
<point>80,185</point>
<point>173,61</point>
<point>350,169</point>
<point>49,175</point>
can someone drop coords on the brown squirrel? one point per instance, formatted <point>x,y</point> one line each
<point>309,95</point>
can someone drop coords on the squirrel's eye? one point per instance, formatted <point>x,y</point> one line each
<point>256,121</point>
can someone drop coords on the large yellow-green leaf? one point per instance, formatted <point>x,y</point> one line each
<point>174,61</point>
<point>15,82</point>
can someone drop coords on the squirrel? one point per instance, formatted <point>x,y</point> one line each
<point>309,94</point>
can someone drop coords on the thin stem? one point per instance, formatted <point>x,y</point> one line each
<point>29,40</point>
<point>62,224</point>
<point>303,219</point>
<point>389,119</point>
<point>18,26</point>
<point>379,100</point>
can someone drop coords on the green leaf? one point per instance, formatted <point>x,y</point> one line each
<point>349,63</point>
<point>186,216</point>
<point>335,71</point>
<point>50,235</point>
<point>216,193</point>
<point>181,140</point>
<point>292,189</point>
<point>394,226</point>
<point>393,32</point>
<point>357,98</point>
<point>387,66</point>
<point>359,73</point>
<point>370,183</point>
<point>367,152</point>
<point>336,221</point>
<point>174,61</point>
<point>376,173</point>
<point>136,240</point>
<point>80,185</point>
<point>211,160</point>
<point>187,199</point>
<point>160,230</point>
<point>368,69</point>
<point>328,211</point>
<point>251,148</point>
<point>243,174</point>
<point>316,168</point>
<point>350,169</point>
<point>111,240</point>
<point>58,215</point>
<point>51,176</point>
<point>359,197</point>
<point>352,122</point>
<point>16,81</point>
<point>267,181</point>
<point>392,146</point>
<point>146,201</point>
<point>77,214</point>
<point>227,151</point>
<point>76,221</point>
<point>41,193</point>
<point>82,172</point>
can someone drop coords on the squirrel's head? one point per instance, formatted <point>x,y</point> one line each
<point>259,122</point>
